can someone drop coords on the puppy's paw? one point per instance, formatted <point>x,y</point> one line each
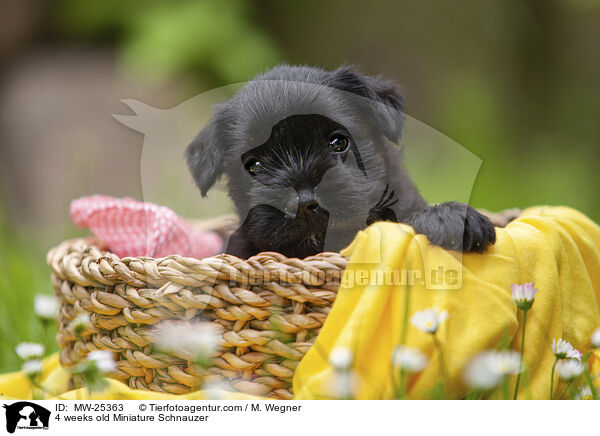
<point>455,226</point>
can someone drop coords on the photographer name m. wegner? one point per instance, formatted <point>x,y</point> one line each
<point>438,278</point>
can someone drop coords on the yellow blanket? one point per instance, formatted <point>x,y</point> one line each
<point>556,248</point>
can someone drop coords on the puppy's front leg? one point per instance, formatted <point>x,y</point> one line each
<point>240,245</point>
<point>454,226</point>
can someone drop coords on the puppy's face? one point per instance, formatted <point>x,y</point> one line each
<point>305,187</point>
<point>305,158</point>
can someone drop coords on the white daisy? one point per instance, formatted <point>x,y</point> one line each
<point>217,390</point>
<point>408,359</point>
<point>568,369</point>
<point>80,324</point>
<point>103,359</point>
<point>341,358</point>
<point>196,341</point>
<point>575,354</point>
<point>584,393</point>
<point>32,367</point>
<point>342,385</point>
<point>429,320</point>
<point>564,350</point>
<point>596,338</point>
<point>488,368</point>
<point>29,350</point>
<point>523,295</point>
<point>46,306</point>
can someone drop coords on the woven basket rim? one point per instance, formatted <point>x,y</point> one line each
<point>82,261</point>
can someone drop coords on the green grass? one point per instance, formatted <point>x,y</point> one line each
<point>23,273</point>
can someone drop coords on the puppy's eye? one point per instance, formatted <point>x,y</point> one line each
<point>253,167</point>
<point>339,144</point>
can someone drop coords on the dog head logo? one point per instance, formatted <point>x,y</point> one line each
<point>26,415</point>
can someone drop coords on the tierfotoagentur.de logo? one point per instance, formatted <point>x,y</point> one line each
<point>24,415</point>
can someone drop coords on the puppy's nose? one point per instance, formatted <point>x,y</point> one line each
<point>307,203</point>
<point>309,207</point>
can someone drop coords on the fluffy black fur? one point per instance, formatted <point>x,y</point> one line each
<point>299,194</point>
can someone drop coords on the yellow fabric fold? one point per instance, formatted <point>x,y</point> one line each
<point>556,248</point>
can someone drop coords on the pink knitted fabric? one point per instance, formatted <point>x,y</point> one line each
<point>133,228</point>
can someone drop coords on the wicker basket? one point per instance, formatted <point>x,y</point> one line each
<point>268,308</point>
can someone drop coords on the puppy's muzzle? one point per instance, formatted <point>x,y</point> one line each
<point>307,203</point>
<point>308,207</point>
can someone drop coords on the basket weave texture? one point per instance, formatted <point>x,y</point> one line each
<point>268,310</point>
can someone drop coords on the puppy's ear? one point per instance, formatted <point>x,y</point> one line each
<point>389,107</point>
<point>206,153</point>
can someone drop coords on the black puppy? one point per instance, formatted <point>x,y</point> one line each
<point>309,160</point>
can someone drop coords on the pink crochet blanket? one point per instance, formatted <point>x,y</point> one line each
<point>133,228</point>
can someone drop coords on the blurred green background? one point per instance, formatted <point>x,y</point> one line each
<point>515,82</point>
